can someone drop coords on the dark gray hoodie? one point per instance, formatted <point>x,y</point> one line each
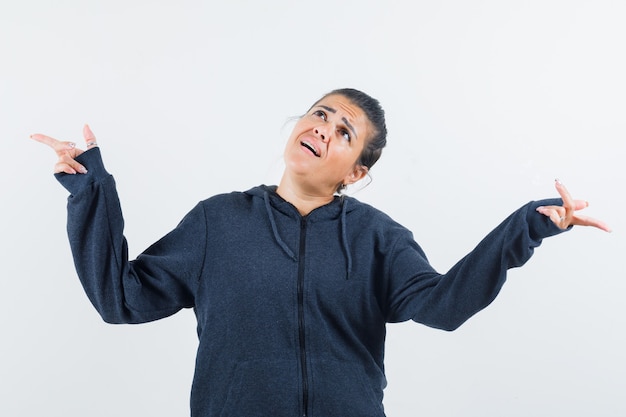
<point>291,310</point>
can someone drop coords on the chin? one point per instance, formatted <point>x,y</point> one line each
<point>299,164</point>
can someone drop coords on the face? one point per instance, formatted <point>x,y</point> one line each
<point>324,146</point>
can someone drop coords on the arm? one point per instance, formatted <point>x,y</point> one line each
<point>447,300</point>
<point>160,281</point>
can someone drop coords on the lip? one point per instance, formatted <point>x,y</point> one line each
<point>311,147</point>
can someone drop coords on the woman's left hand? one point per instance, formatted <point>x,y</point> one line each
<point>565,216</point>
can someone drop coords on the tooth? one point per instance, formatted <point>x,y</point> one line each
<point>311,147</point>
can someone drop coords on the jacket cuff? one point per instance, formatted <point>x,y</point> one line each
<point>90,159</point>
<point>540,226</point>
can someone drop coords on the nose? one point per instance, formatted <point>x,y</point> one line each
<point>322,133</point>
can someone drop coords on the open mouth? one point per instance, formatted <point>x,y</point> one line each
<point>310,147</point>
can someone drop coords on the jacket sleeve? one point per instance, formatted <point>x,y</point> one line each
<point>446,301</point>
<point>160,282</point>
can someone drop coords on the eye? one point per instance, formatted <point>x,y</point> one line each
<point>320,114</point>
<point>345,134</point>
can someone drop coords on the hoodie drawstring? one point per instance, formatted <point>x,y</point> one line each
<point>270,215</point>
<point>344,237</point>
<point>289,252</point>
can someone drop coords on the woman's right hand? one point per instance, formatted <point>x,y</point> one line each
<point>67,151</point>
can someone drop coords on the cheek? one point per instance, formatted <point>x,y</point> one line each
<point>293,136</point>
<point>302,125</point>
<point>345,158</point>
<point>349,150</point>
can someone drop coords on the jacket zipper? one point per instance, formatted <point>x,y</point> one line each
<point>301,259</point>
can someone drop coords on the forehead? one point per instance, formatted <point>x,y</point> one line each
<point>344,105</point>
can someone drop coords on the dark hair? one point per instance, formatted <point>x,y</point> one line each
<point>375,114</point>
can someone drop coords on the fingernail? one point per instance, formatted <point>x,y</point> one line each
<point>539,209</point>
<point>71,145</point>
<point>82,170</point>
<point>558,181</point>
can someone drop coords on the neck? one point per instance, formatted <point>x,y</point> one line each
<point>304,199</point>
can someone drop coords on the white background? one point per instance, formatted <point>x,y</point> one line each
<point>487,102</point>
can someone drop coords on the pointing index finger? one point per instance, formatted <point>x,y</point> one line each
<point>47,140</point>
<point>52,142</point>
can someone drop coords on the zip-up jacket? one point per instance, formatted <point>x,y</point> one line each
<point>291,309</point>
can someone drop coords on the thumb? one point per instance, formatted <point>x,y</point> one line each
<point>90,138</point>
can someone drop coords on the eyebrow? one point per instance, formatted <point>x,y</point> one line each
<point>330,109</point>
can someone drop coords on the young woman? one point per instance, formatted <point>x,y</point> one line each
<point>292,285</point>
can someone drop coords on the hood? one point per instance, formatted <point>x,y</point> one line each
<point>336,209</point>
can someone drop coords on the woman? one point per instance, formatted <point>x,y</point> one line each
<point>292,285</point>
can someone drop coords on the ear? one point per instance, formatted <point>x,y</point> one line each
<point>357,174</point>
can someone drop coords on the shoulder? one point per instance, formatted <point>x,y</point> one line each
<point>368,216</point>
<point>374,228</point>
<point>225,198</point>
<point>236,202</point>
